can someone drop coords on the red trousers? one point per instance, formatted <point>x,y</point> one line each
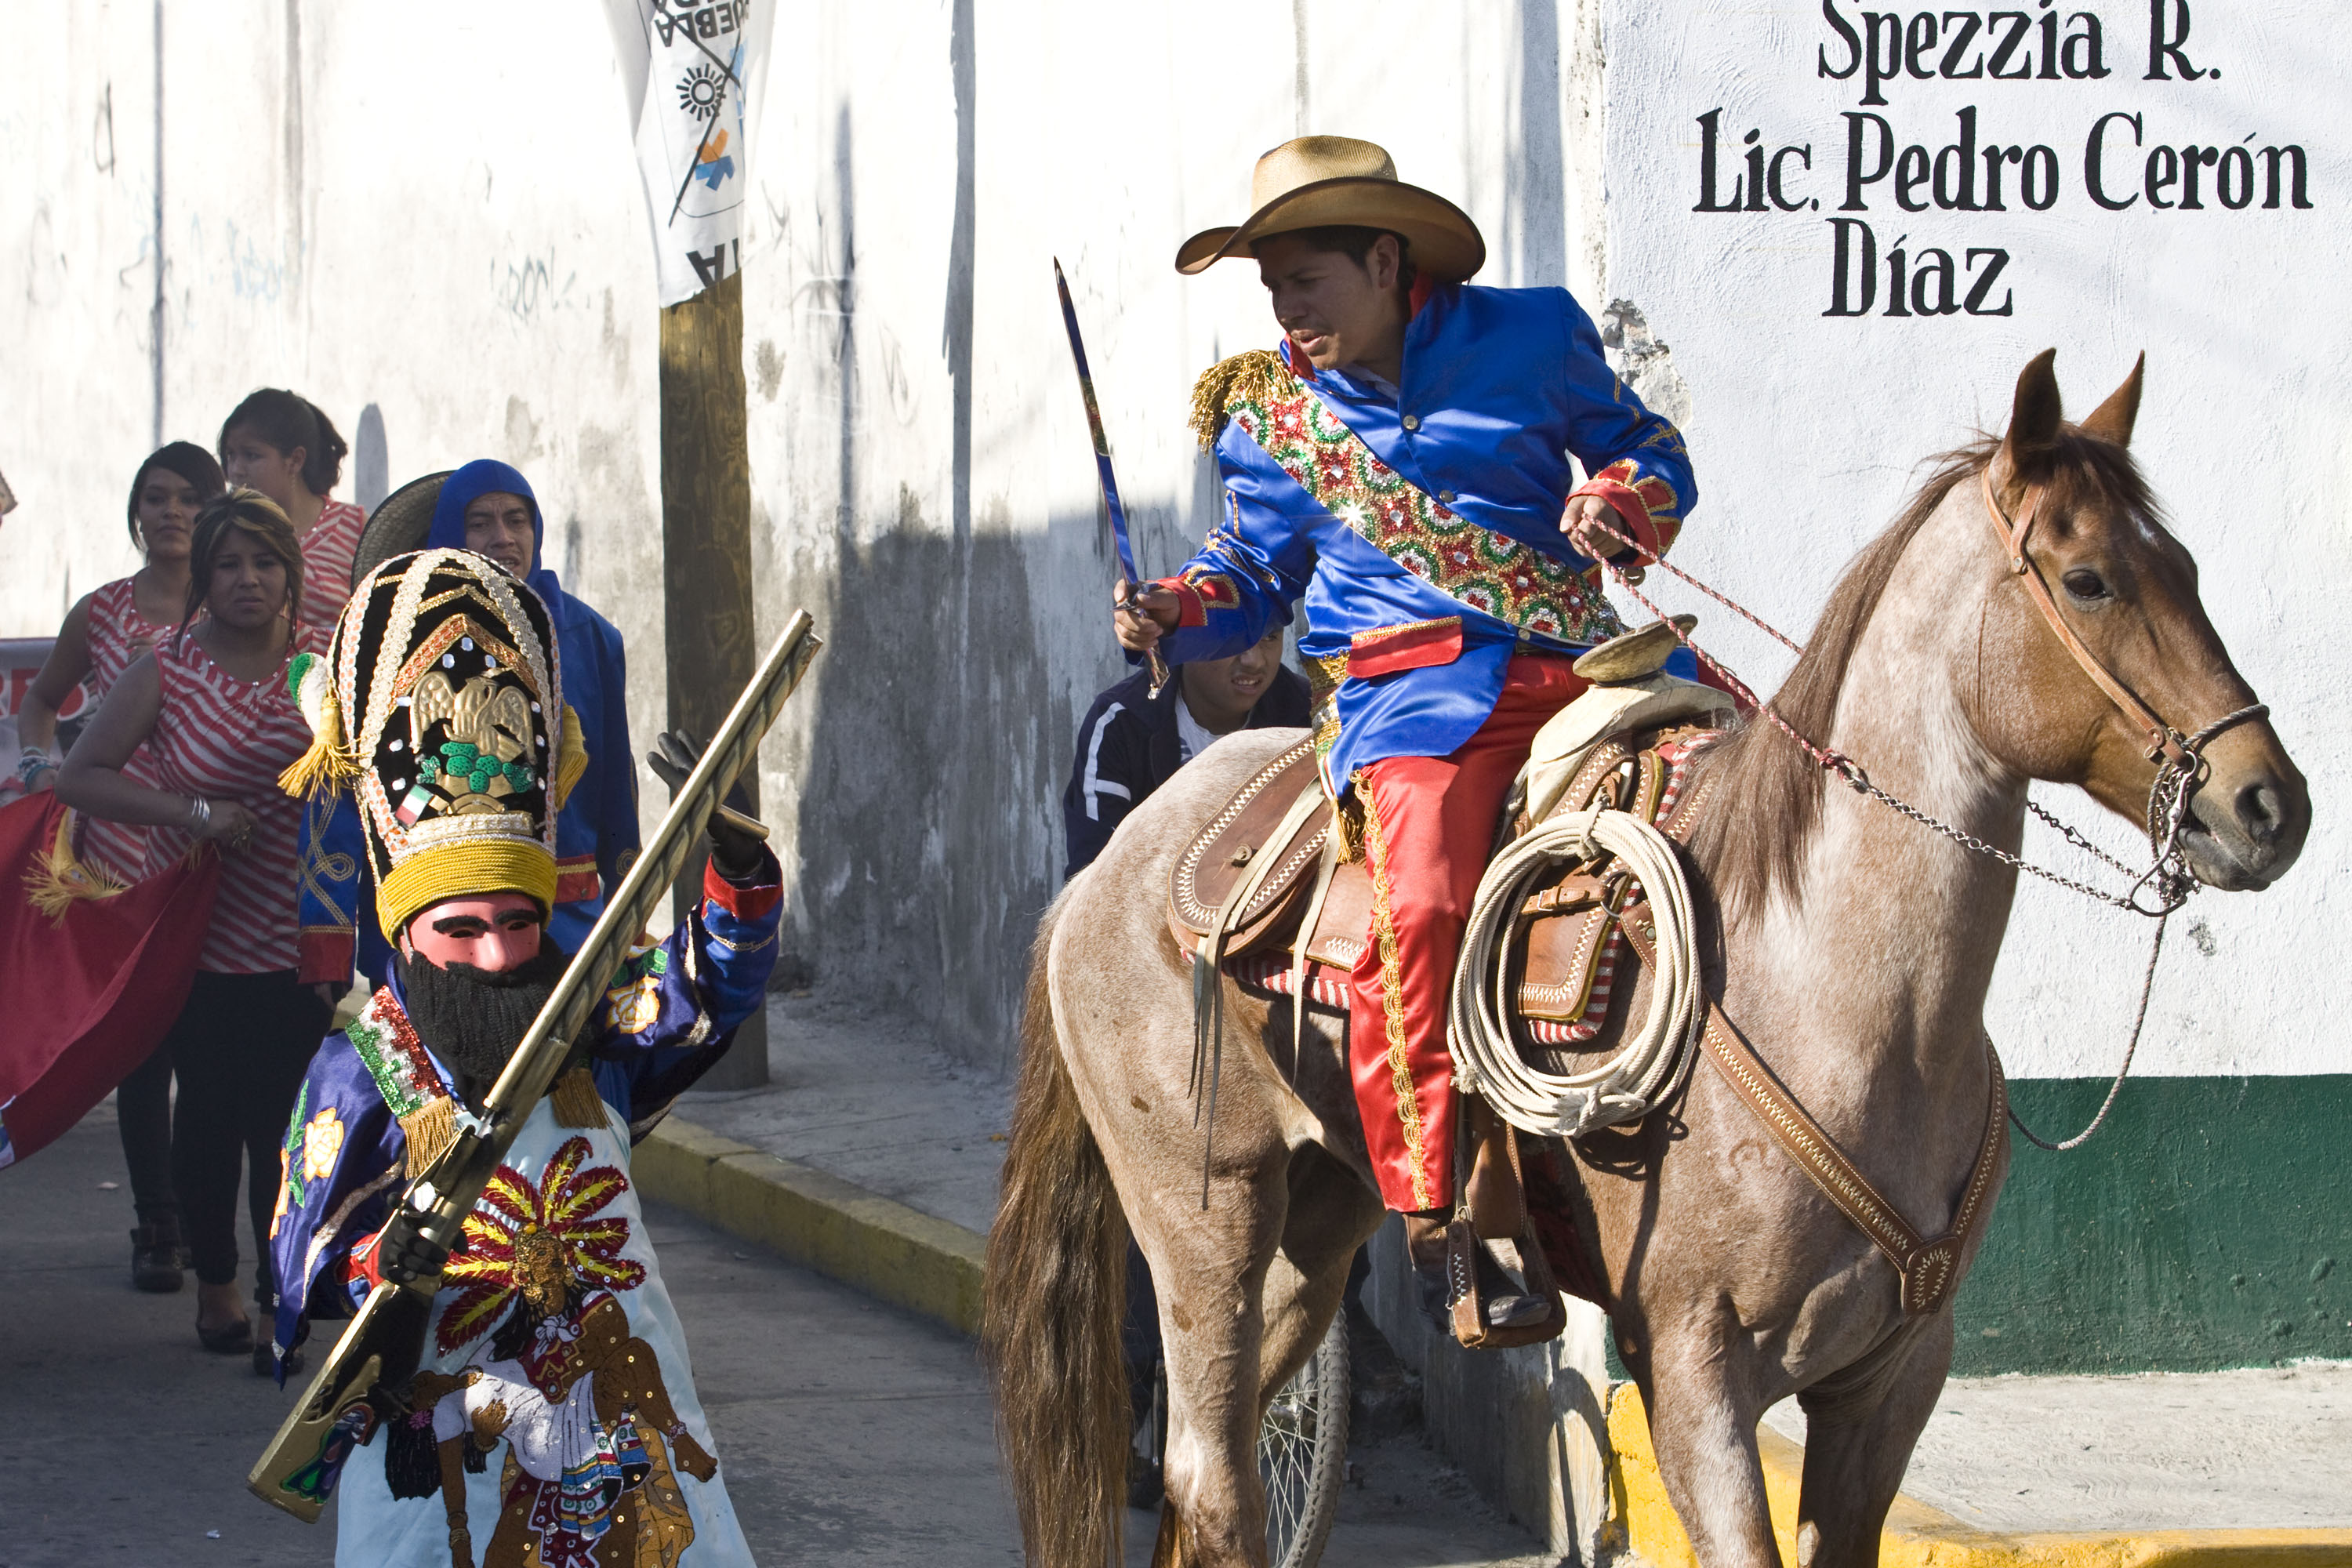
<point>1428,823</point>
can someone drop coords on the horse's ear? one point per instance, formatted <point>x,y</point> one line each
<point>2033,437</point>
<point>2113,420</point>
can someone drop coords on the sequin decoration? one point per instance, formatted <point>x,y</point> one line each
<point>1492,573</point>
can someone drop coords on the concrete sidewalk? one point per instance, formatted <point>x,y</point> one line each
<point>875,1157</point>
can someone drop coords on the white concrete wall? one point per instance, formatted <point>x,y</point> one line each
<point>919,451</point>
<point>1808,429</point>
<point>437,217</point>
<point>432,213</point>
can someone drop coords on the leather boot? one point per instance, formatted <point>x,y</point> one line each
<point>1424,1241</point>
<point>155,1257</point>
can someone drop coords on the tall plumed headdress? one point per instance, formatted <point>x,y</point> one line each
<point>439,705</point>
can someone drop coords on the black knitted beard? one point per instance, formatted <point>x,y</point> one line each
<point>474,1018</point>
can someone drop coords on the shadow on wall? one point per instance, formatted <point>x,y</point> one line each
<point>928,827</point>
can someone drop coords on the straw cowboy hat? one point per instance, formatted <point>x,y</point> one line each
<point>1316,181</point>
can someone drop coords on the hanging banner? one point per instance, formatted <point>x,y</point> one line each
<point>690,73</point>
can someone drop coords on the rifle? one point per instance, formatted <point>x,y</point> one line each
<point>367,1373</point>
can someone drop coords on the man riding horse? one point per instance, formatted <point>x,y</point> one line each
<point>1413,483</point>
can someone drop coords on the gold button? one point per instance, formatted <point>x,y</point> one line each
<point>1412,421</point>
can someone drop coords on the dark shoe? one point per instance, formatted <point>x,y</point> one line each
<point>1424,1248</point>
<point>231,1339</point>
<point>155,1258</point>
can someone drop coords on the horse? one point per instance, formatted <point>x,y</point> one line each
<point>1853,949</point>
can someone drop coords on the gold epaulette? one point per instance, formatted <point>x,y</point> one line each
<point>1256,375</point>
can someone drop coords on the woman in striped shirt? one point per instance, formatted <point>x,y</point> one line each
<point>212,709</point>
<point>101,637</point>
<point>284,446</point>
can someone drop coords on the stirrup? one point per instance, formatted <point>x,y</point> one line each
<point>1488,1312</point>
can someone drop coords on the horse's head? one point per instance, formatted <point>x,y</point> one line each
<point>2072,510</point>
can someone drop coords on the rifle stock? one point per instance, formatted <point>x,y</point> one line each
<point>365,1377</point>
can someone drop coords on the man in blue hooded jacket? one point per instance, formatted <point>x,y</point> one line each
<point>489,507</point>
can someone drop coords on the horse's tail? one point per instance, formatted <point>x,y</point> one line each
<point>1057,1292</point>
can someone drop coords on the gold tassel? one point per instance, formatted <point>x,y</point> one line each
<point>1348,821</point>
<point>327,765</point>
<point>1254,376</point>
<point>575,1101</point>
<point>430,1129</point>
<point>571,761</point>
<point>58,879</point>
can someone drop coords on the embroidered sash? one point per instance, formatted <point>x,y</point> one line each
<point>1491,573</point>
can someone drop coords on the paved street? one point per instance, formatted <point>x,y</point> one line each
<point>853,1434</point>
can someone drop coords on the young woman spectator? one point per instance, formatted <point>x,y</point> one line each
<point>101,635</point>
<point>282,444</point>
<point>211,707</point>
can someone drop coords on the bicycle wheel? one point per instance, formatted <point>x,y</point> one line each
<point>1302,1453</point>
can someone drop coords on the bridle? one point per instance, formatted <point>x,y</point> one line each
<point>2163,741</point>
<point>2179,759</point>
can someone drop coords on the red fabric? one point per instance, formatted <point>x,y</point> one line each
<point>326,956</point>
<point>1632,514</point>
<point>1436,822</point>
<point>1190,609</point>
<point>743,903</point>
<point>577,878</point>
<point>110,979</point>
<point>1417,645</point>
<point>360,1266</point>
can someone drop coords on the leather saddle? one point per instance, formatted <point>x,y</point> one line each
<point>1627,743</point>
<point>1265,891</point>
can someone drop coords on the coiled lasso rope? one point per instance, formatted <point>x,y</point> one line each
<point>1653,1061</point>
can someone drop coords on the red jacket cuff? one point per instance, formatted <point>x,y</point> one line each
<point>1191,610</point>
<point>359,1268</point>
<point>1633,515</point>
<point>325,956</point>
<point>754,902</point>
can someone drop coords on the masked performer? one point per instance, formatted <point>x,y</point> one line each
<point>554,1421</point>
<point>1401,461</point>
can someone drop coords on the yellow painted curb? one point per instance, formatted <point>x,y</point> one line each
<point>838,1228</point>
<point>1918,1536</point>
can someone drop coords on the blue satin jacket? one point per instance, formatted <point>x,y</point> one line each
<point>1500,386</point>
<point>668,1014</point>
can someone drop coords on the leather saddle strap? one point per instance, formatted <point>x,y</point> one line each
<point>1927,1268</point>
<point>1326,865</point>
<point>2161,739</point>
<point>1208,958</point>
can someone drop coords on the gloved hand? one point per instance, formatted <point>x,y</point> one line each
<point>403,1253</point>
<point>736,853</point>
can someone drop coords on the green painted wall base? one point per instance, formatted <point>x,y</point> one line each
<point>2207,1224</point>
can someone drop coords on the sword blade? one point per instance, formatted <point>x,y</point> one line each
<point>1095,426</point>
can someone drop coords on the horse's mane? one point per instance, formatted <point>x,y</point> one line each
<point>1767,792</point>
